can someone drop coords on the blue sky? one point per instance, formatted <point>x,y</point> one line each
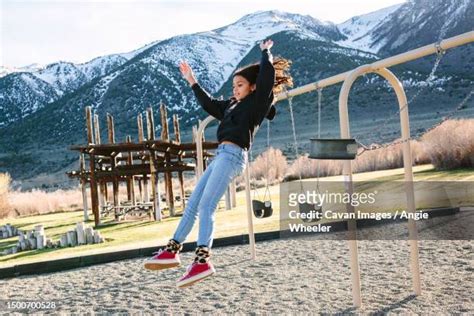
<point>47,31</point>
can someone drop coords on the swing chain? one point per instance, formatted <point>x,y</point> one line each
<point>439,55</point>
<point>267,163</point>
<point>267,167</point>
<point>295,142</point>
<point>320,96</point>
<point>439,49</point>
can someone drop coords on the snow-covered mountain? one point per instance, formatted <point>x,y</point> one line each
<point>216,53</point>
<point>213,55</point>
<point>358,29</point>
<point>409,25</point>
<point>22,94</point>
<point>4,70</point>
<point>27,89</point>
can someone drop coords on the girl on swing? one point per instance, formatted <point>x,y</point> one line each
<point>240,117</point>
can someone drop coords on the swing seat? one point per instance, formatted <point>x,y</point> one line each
<point>345,149</point>
<point>262,209</point>
<point>307,209</point>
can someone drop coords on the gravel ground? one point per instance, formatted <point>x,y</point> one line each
<point>303,275</point>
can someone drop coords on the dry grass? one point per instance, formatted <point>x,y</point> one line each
<point>451,145</point>
<point>4,203</point>
<point>389,158</point>
<point>40,202</point>
<point>271,165</point>
<point>309,168</point>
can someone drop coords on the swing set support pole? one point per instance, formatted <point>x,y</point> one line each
<point>248,199</point>
<point>407,162</point>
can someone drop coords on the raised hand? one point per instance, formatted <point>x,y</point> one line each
<point>187,72</point>
<point>267,44</point>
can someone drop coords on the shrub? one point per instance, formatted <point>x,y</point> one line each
<point>277,168</point>
<point>41,202</point>
<point>451,145</point>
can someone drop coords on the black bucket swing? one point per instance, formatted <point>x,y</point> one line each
<point>331,148</point>
<point>304,208</point>
<point>263,208</point>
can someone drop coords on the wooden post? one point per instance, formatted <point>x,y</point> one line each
<point>113,162</point>
<point>81,237</point>
<point>89,232</point>
<point>100,193</point>
<point>130,180</point>
<point>96,129</point>
<point>140,128</point>
<point>233,193</point>
<point>140,188</point>
<point>82,164</point>
<point>194,137</point>
<point>106,192</point>
<point>177,135</point>
<point>164,122</point>
<point>168,176</point>
<point>93,183</point>
<point>144,197</point>
<point>203,135</point>
<point>228,202</point>
<point>89,125</point>
<point>110,129</point>
<point>153,173</point>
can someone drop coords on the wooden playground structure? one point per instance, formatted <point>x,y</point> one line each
<point>134,163</point>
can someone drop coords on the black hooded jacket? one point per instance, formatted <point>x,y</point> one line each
<point>240,120</point>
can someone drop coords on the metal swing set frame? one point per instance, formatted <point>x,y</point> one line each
<point>348,78</point>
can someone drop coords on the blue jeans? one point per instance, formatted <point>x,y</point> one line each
<point>229,162</point>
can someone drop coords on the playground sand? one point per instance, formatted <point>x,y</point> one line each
<point>306,274</point>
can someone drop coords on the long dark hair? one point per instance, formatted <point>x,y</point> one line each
<point>282,77</point>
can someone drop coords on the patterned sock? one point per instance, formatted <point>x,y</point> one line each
<point>174,246</point>
<point>203,254</point>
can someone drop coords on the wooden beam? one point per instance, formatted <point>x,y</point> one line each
<point>153,173</point>
<point>96,129</point>
<point>101,192</point>
<point>110,129</point>
<point>177,136</point>
<point>83,182</point>
<point>141,138</point>
<point>158,145</point>
<point>130,181</point>
<point>138,170</point>
<point>113,164</point>
<point>89,125</point>
<point>92,182</point>
<point>140,128</point>
<point>168,176</point>
<point>150,124</point>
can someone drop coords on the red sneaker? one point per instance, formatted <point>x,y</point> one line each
<point>162,259</point>
<point>196,272</point>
